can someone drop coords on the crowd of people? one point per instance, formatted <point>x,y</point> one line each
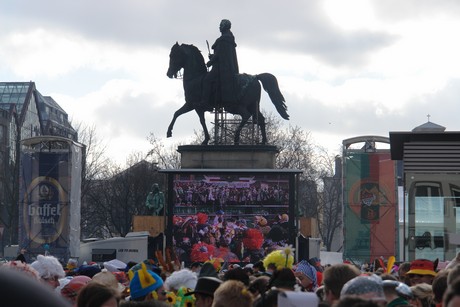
<point>276,280</point>
<point>199,237</point>
<point>235,219</point>
<point>200,193</point>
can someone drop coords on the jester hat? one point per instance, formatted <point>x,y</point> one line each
<point>143,282</point>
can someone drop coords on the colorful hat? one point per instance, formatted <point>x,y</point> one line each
<point>253,239</point>
<point>48,267</point>
<point>87,270</point>
<point>423,267</point>
<point>143,282</point>
<point>108,279</point>
<point>71,264</point>
<point>73,287</point>
<point>114,265</point>
<point>122,278</point>
<point>202,217</point>
<point>23,267</point>
<point>308,270</point>
<point>149,263</point>
<point>179,279</point>
<point>182,298</point>
<point>282,258</point>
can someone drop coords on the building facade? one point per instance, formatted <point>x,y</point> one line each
<point>431,179</point>
<point>24,113</point>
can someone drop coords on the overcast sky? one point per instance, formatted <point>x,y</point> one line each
<point>346,68</point>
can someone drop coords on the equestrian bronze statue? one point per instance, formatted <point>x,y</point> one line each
<point>246,94</point>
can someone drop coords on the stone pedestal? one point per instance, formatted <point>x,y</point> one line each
<point>228,156</point>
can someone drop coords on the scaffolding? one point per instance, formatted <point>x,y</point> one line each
<point>225,125</point>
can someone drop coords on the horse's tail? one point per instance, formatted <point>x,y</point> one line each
<point>270,85</point>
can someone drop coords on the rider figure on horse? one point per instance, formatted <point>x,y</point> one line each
<point>222,76</point>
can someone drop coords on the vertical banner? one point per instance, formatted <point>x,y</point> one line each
<point>44,203</point>
<point>369,206</point>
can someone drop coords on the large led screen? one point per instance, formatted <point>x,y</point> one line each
<point>231,217</point>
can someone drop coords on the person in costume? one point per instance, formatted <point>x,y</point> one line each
<point>306,275</point>
<point>422,271</point>
<point>204,291</point>
<point>71,290</point>
<point>146,285</point>
<point>316,262</point>
<point>280,258</point>
<point>21,267</point>
<point>279,263</point>
<point>180,279</point>
<point>107,278</point>
<point>49,269</point>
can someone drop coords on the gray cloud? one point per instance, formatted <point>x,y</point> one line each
<point>297,26</point>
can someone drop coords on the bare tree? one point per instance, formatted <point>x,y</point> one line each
<point>95,162</point>
<point>296,151</point>
<point>96,167</point>
<point>112,195</point>
<point>329,215</point>
<point>112,202</point>
<point>320,185</point>
<point>167,158</point>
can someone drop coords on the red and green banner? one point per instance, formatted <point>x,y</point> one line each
<point>370,206</point>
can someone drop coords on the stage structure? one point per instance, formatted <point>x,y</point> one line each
<point>236,213</point>
<point>49,200</point>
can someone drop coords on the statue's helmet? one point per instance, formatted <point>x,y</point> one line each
<point>155,186</point>
<point>225,24</point>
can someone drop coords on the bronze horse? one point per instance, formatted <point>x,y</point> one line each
<point>189,58</point>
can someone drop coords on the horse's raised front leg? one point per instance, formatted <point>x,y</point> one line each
<point>187,107</point>
<point>205,128</point>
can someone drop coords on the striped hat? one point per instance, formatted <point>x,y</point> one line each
<point>422,267</point>
<point>308,270</point>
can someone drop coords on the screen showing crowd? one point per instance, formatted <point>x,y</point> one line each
<point>235,218</point>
